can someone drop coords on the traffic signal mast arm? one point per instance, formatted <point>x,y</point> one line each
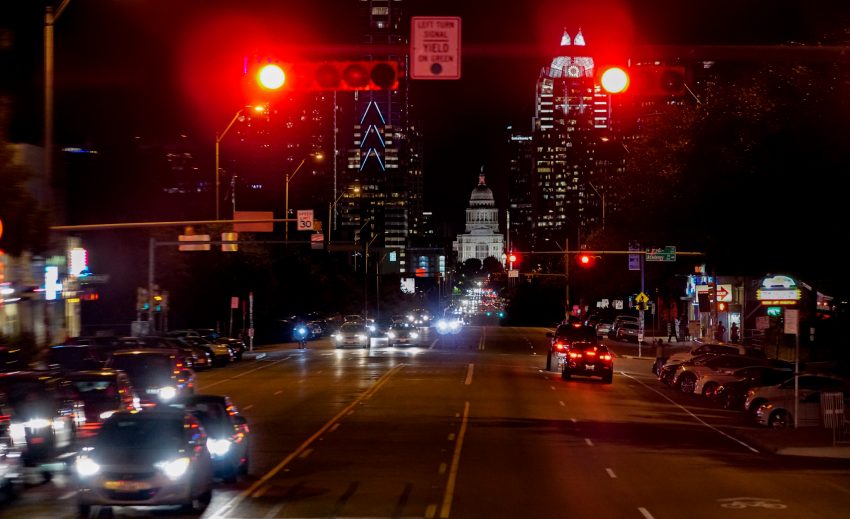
<point>604,252</point>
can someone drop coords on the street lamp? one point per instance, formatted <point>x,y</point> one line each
<point>366,277</point>
<point>289,176</point>
<point>218,138</point>
<point>566,251</point>
<point>332,206</point>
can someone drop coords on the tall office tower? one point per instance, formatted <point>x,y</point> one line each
<point>572,117</point>
<point>386,160</point>
<point>520,217</point>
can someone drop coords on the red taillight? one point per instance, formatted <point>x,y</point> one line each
<point>590,353</point>
<point>575,354</point>
<point>560,346</point>
<point>605,357</point>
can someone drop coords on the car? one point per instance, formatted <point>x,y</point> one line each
<point>157,374</point>
<point>402,334</point>
<point>228,434</point>
<point>627,331</point>
<point>237,346</point>
<point>352,334</point>
<point>807,384</point>
<point>687,377</point>
<point>731,395</point>
<point>220,354</point>
<point>589,359</point>
<point>708,384</point>
<point>81,353</point>
<point>153,457</point>
<point>563,337</point>
<point>718,349</point>
<point>188,355</point>
<point>41,414</point>
<point>779,413</point>
<point>11,463</point>
<point>11,359</point>
<point>618,321</point>
<point>669,369</point>
<point>603,328</point>
<point>352,318</point>
<point>100,393</point>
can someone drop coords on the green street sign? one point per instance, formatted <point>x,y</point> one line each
<point>668,253</point>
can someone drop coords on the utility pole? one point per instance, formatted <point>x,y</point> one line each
<point>566,279</point>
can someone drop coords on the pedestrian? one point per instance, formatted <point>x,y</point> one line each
<point>733,333</point>
<point>684,333</point>
<point>720,333</point>
<point>660,357</point>
<point>671,331</point>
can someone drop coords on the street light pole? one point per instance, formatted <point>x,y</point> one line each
<point>218,138</point>
<point>331,207</point>
<point>602,196</point>
<point>289,177</point>
<point>366,278</point>
<point>50,17</point>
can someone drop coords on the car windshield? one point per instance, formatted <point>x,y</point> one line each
<point>572,333</point>
<point>95,389</point>
<point>352,328</point>
<point>141,432</point>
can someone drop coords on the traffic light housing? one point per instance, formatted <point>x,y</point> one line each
<point>267,78</point>
<point>659,80</point>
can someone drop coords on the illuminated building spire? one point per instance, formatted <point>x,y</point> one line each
<point>565,39</point>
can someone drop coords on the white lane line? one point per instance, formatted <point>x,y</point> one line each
<point>450,485</point>
<point>588,441</point>
<point>278,392</point>
<point>562,403</point>
<point>207,386</point>
<point>430,511</point>
<point>573,420</point>
<point>442,470</point>
<point>249,406</point>
<point>645,513</point>
<point>695,417</point>
<point>433,344</point>
<point>552,388</point>
<point>68,495</point>
<point>335,427</point>
<point>306,453</point>
<point>611,473</point>
<point>262,490</point>
<point>469,371</point>
<point>274,511</point>
<point>451,437</point>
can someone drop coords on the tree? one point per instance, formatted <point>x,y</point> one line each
<point>492,266</point>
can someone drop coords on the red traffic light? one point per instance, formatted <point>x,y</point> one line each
<point>513,258</point>
<point>614,80</point>
<point>347,75</point>
<point>586,260</point>
<point>271,77</point>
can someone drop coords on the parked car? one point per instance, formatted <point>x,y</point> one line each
<point>807,384</point>
<point>779,413</point>
<point>564,336</point>
<point>618,321</point>
<point>718,349</point>
<point>603,328</point>
<point>688,376</point>
<point>627,331</point>
<point>669,369</point>
<point>220,354</point>
<point>402,334</point>
<point>188,355</point>
<point>157,374</point>
<point>155,457</point>
<point>709,384</point>
<point>101,393</point>
<point>589,359</point>
<point>228,434</point>
<point>352,334</point>
<point>731,395</point>
<point>40,413</point>
<point>237,346</point>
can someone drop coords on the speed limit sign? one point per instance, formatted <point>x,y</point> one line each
<point>305,220</point>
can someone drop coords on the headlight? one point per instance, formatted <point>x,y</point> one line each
<point>338,337</point>
<point>218,447</point>
<point>361,337</point>
<point>441,324</point>
<point>18,433</point>
<point>174,469</point>
<point>167,393</point>
<point>414,335</point>
<point>86,466</point>
<point>106,414</point>
<point>391,335</point>
<point>454,325</point>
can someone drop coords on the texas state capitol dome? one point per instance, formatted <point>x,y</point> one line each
<point>482,237</point>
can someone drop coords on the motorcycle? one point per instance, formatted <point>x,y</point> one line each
<point>301,335</point>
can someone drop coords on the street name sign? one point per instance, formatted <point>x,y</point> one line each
<point>666,254</point>
<point>634,259</point>
<point>435,47</point>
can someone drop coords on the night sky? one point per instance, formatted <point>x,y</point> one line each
<point>161,67</point>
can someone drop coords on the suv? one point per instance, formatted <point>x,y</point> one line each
<point>101,393</point>
<point>42,412</point>
<point>563,338</point>
<point>157,374</point>
<point>589,359</point>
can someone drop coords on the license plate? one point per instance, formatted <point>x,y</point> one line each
<point>590,367</point>
<point>126,486</point>
<point>152,391</point>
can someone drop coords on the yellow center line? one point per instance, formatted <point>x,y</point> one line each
<point>237,500</point>
<point>450,486</point>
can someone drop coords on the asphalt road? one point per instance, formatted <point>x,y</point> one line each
<point>471,426</point>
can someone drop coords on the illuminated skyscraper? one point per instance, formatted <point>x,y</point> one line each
<point>572,117</point>
<point>385,160</point>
